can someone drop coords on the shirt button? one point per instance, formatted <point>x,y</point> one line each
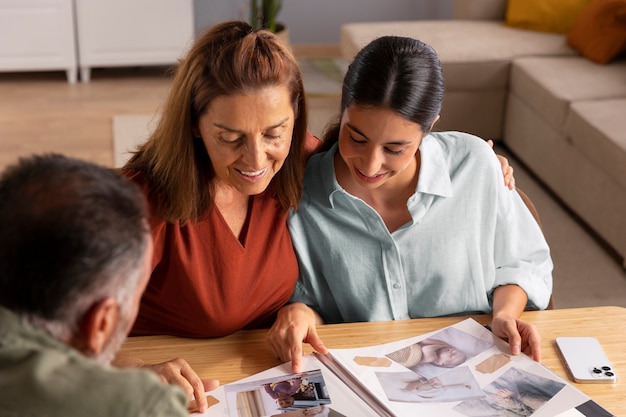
<point>396,285</point>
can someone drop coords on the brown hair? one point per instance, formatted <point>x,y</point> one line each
<point>228,59</point>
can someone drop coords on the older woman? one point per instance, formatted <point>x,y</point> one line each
<point>221,171</point>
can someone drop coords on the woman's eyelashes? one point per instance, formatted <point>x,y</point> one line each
<point>355,140</point>
<point>239,139</point>
<point>394,151</point>
<point>390,151</point>
<point>230,138</point>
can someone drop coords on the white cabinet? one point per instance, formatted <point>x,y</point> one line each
<point>114,33</point>
<point>42,35</point>
<point>38,35</point>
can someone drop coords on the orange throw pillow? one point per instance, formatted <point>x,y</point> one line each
<point>556,16</point>
<point>599,34</point>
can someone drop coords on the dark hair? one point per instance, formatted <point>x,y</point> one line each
<point>72,233</point>
<point>397,73</point>
<point>228,59</point>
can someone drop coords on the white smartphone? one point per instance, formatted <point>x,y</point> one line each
<point>585,360</point>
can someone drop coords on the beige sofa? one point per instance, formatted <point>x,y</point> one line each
<point>562,115</point>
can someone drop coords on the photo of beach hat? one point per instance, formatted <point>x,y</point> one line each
<point>408,356</point>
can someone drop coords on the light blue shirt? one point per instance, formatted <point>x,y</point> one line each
<point>469,234</point>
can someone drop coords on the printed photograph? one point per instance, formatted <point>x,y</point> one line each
<point>437,354</point>
<point>303,394</point>
<point>516,393</point>
<point>456,385</point>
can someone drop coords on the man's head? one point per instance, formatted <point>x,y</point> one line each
<point>75,250</point>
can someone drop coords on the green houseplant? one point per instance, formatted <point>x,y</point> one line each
<point>263,14</point>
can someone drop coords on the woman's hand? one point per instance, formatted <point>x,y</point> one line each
<point>522,336</point>
<point>295,324</point>
<point>179,372</point>
<point>509,302</point>
<point>507,170</point>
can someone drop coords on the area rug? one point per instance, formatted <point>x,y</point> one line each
<point>322,76</point>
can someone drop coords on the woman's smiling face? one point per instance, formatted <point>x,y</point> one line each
<point>378,145</point>
<point>248,137</point>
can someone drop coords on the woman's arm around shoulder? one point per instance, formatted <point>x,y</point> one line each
<point>311,144</point>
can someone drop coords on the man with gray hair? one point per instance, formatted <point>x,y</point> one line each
<point>75,257</point>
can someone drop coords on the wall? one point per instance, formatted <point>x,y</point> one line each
<point>319,21</point>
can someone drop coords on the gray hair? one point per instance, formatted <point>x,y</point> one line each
<point>73,234</point>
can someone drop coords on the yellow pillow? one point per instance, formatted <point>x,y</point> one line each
<point>600,32</point>
<point>555,16</point>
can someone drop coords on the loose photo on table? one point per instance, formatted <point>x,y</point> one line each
<point>303,394</point>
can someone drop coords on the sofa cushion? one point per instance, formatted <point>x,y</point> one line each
<point>480,113</point>
<point>479,9</point>
<point>459,40</point>
<point>580,183</point>
<point>596,127</point>
<point>556,16</point>
<point>600,31</point>
<point>550,84</point>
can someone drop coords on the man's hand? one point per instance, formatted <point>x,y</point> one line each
<point>294,325</point>
<point>522,336</point>
<point>179,372</point>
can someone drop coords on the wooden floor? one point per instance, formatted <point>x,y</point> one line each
<point>41,112</point>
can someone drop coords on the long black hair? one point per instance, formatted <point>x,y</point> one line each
<point>397,73</point>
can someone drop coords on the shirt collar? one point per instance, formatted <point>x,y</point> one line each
<point>329,179</point>
<point>16,331</point>
<point>434,175</point>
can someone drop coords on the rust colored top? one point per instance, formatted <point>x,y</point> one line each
<point>207,283</point>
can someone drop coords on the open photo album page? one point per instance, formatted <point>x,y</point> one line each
<point>462,370</point>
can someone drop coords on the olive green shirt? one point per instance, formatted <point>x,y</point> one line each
<point>42,377</point>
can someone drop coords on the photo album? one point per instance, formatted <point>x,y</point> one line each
<point>462,370</point>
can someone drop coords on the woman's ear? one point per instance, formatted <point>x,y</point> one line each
<point>98,326</point>
<point>433,123</point>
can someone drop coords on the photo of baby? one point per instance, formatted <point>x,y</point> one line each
<point>442,351</point>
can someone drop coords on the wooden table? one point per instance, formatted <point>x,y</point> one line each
<point>245,353</point>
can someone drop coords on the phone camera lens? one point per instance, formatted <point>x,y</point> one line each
<point>606,368</point>
<point>596,371</point>
<point>609,374</point>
